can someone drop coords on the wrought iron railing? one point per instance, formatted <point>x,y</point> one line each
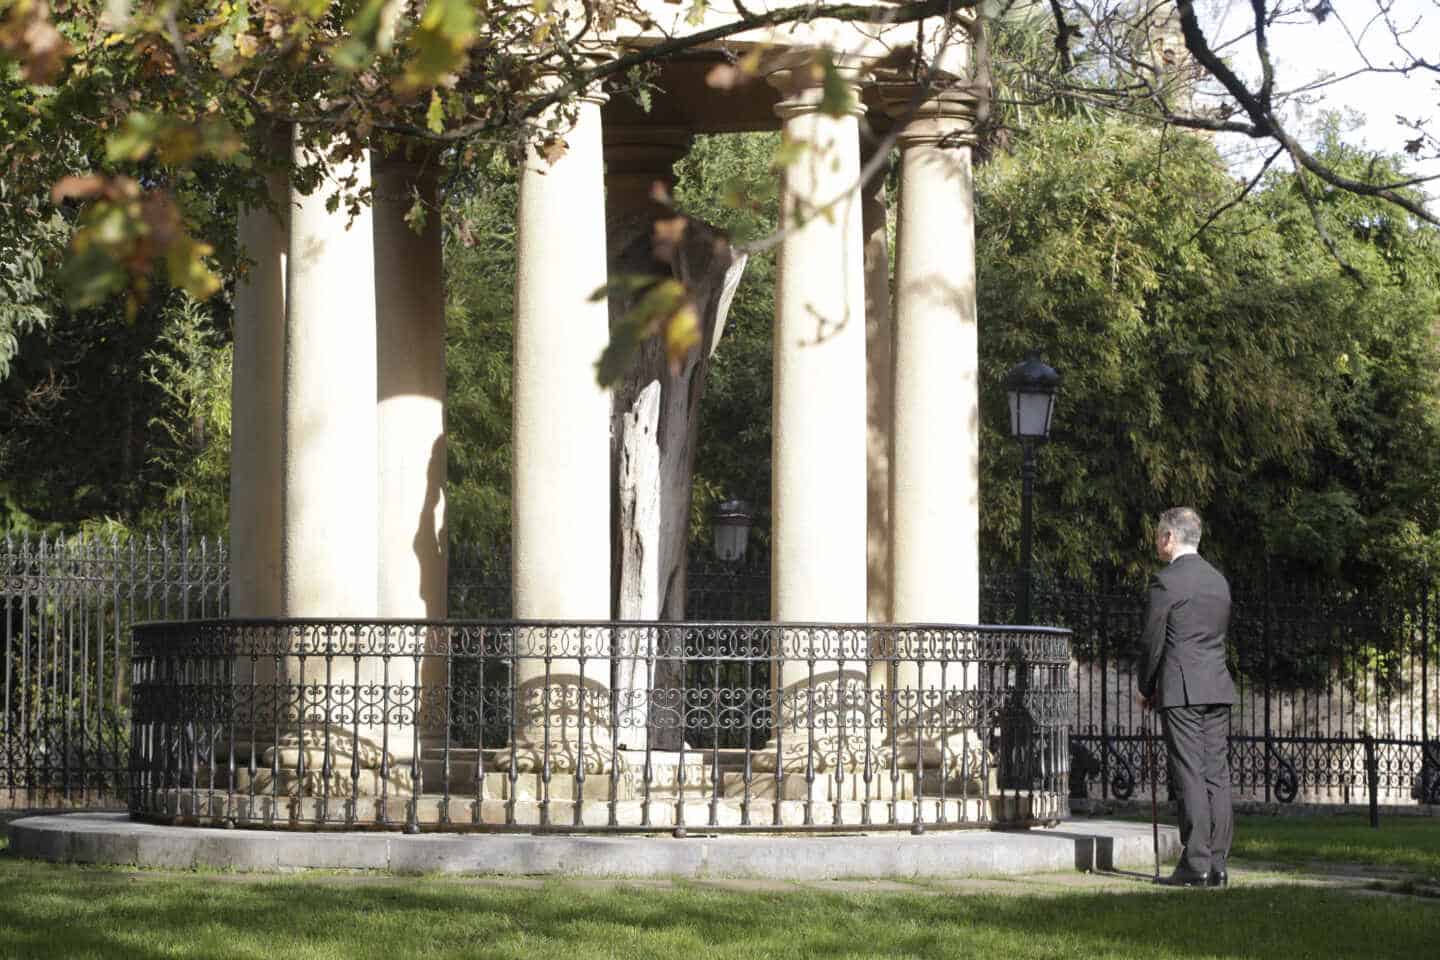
<point>1319,670</point>
<point>66,608</point>
<point>1320,676</point>
<point>490,725</point>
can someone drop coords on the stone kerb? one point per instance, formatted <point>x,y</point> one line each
<point>112,839</point>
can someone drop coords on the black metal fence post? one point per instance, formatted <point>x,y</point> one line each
<point>1372,779</point>
<point>1265,631</point>
<point>1429,775</point>
<point>1102,643</point>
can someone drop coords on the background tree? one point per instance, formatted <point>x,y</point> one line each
<point>1228,363</point>
<point>479,220</point>
<point>105,419</point>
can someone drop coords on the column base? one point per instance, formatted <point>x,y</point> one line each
<point>297,766</point>
<point>961,757</point>
<point>534,752</point>
<point>823,754</point>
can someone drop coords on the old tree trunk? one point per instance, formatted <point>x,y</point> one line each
<point>653,432</point>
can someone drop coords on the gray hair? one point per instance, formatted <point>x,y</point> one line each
<point>1184,525</point>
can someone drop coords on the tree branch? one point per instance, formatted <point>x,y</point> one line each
<point>1319,223</point>
<point>1238,198</point>
<point>1063,32</point>
<point>849,12</point>
<point>1262,117</point>
<point>1199,47</point>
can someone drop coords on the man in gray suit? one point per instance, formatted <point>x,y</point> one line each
<point>1184,676</point>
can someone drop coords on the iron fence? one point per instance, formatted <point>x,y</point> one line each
<point>1337,691</point>
<point>502,725</point>
<point>66,608</point>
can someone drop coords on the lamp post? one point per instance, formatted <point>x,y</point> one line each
<point>730,525</point>
<point>1032,387</point>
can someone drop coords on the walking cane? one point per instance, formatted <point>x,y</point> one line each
<point>1154,804</point>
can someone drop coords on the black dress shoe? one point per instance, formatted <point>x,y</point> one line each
<point>1185,878</point>
<point>1218,878</point>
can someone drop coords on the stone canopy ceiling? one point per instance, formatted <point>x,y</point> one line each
<point>685,100</point>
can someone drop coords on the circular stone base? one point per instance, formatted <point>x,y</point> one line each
<point>112,838</point>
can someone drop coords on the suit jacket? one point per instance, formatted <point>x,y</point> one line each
<point>1182,653</point>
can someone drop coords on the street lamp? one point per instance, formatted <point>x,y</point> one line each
<point>730,525</point>
<point>1032,387</point>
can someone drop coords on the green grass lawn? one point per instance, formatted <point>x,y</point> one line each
<point>49,910</point>
<point>70,912</point>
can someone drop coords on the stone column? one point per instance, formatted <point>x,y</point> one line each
<point>560,501</point>
<point>410,334</point>
<point>879,437</point>
<point>935,510</point>
<point>329,468</point>
<point>819,455</point>
<point>329,474</point>
<point>255,407</point>
<point>255,446</point>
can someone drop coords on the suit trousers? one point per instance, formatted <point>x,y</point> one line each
<point>1197,739</point>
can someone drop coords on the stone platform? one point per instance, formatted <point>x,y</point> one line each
<point>112,838</point>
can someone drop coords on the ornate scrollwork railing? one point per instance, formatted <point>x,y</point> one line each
<point>601,726</point>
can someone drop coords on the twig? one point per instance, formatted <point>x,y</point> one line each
<point>1238,198</point>
<point>1325,238</point>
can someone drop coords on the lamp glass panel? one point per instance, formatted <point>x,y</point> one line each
<point>1034,414</point>
<point>1014,413</point>
<point>730,541</point>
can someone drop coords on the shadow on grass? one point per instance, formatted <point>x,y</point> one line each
<point>48,910</point>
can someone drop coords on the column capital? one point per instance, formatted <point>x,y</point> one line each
<point>409,155</point>
<point>801,88</point>
<point>393,173</point>
<point>937,117</point>
<point>550,81</point>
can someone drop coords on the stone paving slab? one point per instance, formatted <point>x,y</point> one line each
<point>109,838</point>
